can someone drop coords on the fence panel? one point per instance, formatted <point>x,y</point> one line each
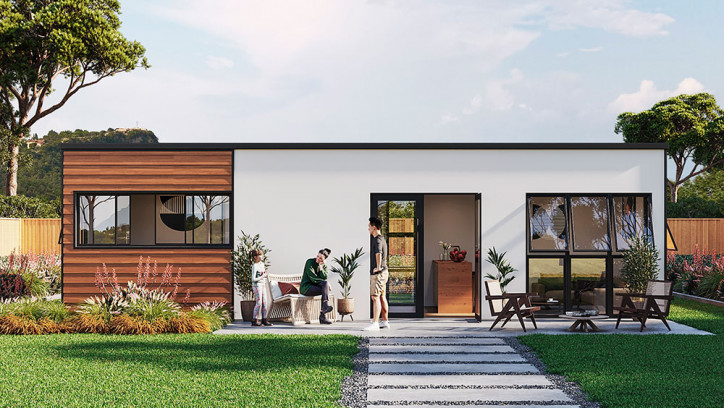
<point>708,233</point>
<point>9,235</point>
<point>40,235</point>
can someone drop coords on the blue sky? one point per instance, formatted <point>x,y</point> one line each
<point>401,71</point>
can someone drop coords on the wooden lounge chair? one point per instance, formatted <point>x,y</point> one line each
<point>295,308</point>
<point>655,304</point>
<point>507,305</point>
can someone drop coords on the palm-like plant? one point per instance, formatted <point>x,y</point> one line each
<point>347,264</point>
<point>505,270</point>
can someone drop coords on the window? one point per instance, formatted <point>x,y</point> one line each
<point>143,219</point>
<point>581,270</point>
<point>547,223</point>
<point>589,217</point>
<point>632,215</point>
<point>103,220</point>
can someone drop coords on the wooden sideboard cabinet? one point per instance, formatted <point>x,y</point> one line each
<point>454,283</point>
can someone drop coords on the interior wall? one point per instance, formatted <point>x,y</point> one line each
<point>164,234</point>
<point>448,218</point>
<point>142,213</point>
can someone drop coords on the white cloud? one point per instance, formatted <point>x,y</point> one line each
<point>563,54</point>
<point>610,15</point>
<point>595,49</point>
<point>648,95</point>
<point>475,105</point>
<point>498,93</point>
<point>217,63</point>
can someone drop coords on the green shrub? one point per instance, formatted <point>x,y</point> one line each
<point>35,286</point>
<point>56,310</point>
<point>153,309</point>
<point>28,207</point>
<point>640,264</point>
<point>213,312</point>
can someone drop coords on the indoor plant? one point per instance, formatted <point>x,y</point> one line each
<point>346,266</point>
<point>503,266</point>
<point>241,267</point>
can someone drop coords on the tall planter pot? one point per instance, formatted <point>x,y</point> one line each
<point>247,310</point>
<point>345,307</point>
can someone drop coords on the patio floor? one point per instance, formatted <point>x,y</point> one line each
<point>458,327</point>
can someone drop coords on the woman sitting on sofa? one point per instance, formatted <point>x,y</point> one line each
<point>314,281</point>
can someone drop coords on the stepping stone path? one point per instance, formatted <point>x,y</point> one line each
<point>465,372</point>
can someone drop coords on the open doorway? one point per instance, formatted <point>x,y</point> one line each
<point>421,283</point>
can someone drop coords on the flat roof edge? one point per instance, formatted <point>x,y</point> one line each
<point>364,146</point>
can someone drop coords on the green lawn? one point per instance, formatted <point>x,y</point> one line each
<point>644,371</point>
<point>84,370</point>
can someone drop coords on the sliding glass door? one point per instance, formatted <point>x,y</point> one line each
<point>401,215</point>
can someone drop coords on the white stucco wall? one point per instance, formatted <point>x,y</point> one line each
<point>304,200</point>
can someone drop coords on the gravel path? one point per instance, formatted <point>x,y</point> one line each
<point>498,372</point>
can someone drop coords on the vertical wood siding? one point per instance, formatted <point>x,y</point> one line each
<point>205,271</point>
<point>708,233</point>
<point>9,235</point>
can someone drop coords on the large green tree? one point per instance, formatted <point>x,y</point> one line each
<point>692,125</point>
<point>49,44</point>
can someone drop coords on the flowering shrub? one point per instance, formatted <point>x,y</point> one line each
<point>699,274</point>
<point>41,271</point>
<point>213,312</point>
<point>12,285</point>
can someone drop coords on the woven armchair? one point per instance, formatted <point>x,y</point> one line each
<point>295,308</point>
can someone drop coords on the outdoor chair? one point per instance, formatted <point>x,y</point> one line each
<point>655,304</point>
<point>509,305</point>
<point>295,308</point>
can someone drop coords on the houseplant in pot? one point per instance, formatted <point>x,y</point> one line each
<point>346,266</point>
<point>241,267</point>
<point>505,269</point>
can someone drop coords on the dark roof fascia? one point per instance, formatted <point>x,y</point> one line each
<point>364,146</point>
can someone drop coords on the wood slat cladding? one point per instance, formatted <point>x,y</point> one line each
<point>205,271</point>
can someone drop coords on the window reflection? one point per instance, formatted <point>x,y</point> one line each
<point>632,218</point>
<point>548,223</point>
<point>590,224</point>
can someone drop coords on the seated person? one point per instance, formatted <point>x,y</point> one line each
<point>314,282</point>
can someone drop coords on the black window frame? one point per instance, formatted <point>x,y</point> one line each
<point>185,193</point>
<point>76,226</point>
<point>568,254</point>
<point>572,243</point>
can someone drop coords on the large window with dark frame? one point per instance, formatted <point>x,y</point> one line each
<point>575,247</point>
<point>144,219</point>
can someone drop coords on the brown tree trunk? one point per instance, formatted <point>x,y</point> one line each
<point>673,191</point>
<point>11,179</point>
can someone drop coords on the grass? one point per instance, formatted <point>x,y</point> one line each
<point>644,371</point>
<point>86,370</point>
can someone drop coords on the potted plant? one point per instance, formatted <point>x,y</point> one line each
<point>505,270</point>
<point>640,264</point>
<point>241,267</point>
<point>346,266</point>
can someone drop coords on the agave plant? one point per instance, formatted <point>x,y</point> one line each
<point>347,264</point>
<point>505,270</point>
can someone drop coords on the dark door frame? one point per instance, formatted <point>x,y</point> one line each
<point>420,229</point>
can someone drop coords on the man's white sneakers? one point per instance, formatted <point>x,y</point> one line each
<point>384,324</point>
<point>372,327</point>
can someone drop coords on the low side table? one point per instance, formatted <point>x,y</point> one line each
<point>583,322</point>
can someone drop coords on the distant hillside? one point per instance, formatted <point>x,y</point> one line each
<point>41,178</point>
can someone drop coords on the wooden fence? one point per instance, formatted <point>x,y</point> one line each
<point>708,233</point>
<point>29,235</point>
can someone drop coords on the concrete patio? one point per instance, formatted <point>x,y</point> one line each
<point>462,327</point>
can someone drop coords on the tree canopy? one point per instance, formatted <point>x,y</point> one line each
<point>692,125</point>
<point>40,177</point>
<point>76,43</point>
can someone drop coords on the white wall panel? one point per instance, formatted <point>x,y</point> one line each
<point>304,200</point>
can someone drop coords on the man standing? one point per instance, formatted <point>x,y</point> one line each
<point>378,276</point>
